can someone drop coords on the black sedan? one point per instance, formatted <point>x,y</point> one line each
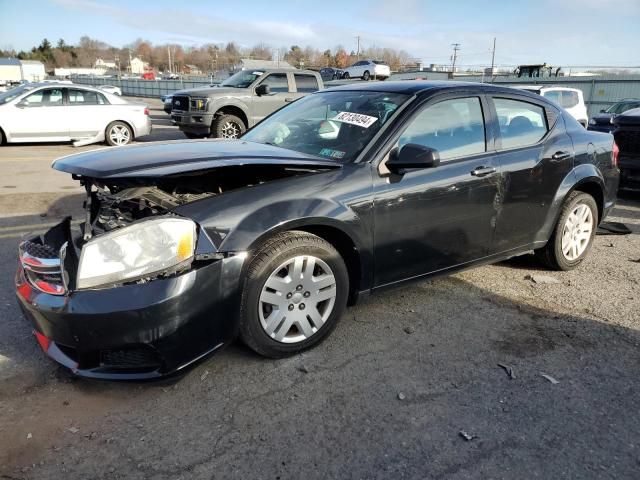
<point>627,135</point>
<point>603,122</point>
<point>186,246</point>
<point>330,73</point>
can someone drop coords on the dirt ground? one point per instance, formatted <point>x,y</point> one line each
<point>484,374</point>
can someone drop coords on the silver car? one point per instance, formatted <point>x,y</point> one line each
<point>50,112</point>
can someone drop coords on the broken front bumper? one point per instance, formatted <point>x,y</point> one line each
<point>133,331</point>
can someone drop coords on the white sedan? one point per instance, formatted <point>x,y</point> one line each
<point>367,69</point>
<point>47,112</point>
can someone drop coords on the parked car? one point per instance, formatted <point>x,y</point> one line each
<point>166,102</point>
<point>571,99</point>
<point>270,236</point>
<point>49,112</point>
<point>367,69</point>
<point>330,73</point>
<point>627,135</point>
<point>604,121</point>
<point>111,89</point>
<point>241,101</point>
<point>148,76</point>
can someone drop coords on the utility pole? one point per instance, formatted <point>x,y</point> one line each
<point>456,48</point>
<point>169,55</point>
<point>358,47</point>
<point>493,58</point>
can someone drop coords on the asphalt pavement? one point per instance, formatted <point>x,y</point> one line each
<point>506,371</point>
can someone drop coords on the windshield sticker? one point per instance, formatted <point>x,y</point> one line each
<point>364,121</point>
<point>328,152</point>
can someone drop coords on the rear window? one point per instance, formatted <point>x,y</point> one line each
<point>570,99</point>
<point>521,123</point>
<point>306,83</point>
<point>554,96</point>
<point>379,62</point>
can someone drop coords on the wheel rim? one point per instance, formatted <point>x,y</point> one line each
<point>366,75</point>
<point>120,135</point>
<point>577,231</point>
<point>297,299</point>
<point>230,130</point>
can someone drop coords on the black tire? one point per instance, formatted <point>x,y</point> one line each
<point>366,75</point>
<point>334,77</point>
<point>2,139</point>
<point>220,129</point>
<point>193,135</point>
<point>345,75</point>
<point>123,127</point>
<point>551,254</point>
<point>266,260</point>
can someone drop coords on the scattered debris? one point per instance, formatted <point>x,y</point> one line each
<point>610,244</point>
<point>613,228</point>
<point>542,279</point>
<point>29,436</point>
<point>302,368</point>
<point>401,396</point>
<point>467,436</point>
<point>509,370</point>
<point>635,261</point>
<point>91,435</point>
<point>73,429</point>
<point>550,378</point>
<point>409,330</point>
<point>65,403</point>
<point>204,375</point>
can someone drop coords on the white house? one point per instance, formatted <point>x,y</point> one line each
<point>137,66</point>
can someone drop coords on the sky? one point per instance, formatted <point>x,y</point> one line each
<point>559,32</point>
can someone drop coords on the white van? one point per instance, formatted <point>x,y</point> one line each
<point>571,99</point>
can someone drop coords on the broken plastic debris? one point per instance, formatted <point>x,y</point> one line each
<point>550,378</point>
<point>401,396</point>
<point>468,437</point>
<point>509,370</point>
<point>73,429</point>
<point>204,375</point>
<point>542,279</point>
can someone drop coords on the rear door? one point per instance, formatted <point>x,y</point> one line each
<point>304,85</point>
<point>89,113</point>
<point>535,154</point>
<point>40,116</point>
<point>281,90</point>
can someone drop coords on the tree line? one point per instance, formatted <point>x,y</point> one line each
<point>208,57</point>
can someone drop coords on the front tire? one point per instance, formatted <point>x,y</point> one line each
<point>346,75</point>
<point>573,235</point>
<point>295,291</point>
<point>118,134</point>
<point>366,75</point>
<point>227,126</point>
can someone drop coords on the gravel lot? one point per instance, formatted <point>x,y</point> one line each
<point>386,396</point>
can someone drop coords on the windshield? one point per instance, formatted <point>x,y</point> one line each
<point>13,93</point>
<point>335,125</point>
<point>242,79</point>
<point>622,107</point>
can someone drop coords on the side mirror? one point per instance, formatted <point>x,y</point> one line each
<point>603,111</point>
<point>263,89</point>
<point>22,103</point>
<point>412,155</point>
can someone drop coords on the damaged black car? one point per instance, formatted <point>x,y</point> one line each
<point>186,246</point>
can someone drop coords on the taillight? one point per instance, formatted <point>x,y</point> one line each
<point>146,111</point>
<point>615,152</point>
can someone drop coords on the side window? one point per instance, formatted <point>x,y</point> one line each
<point>83,97</point>
<point>455,128</point>
<point>521,123</point>
<point>45,98</point>
<point>277,82</point>
<point>569,99</point>
<point>306,83</point>
<point>554,96</point>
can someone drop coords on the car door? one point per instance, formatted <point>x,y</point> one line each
<point>264,105</point>
<point>432,219</point>
<point>88,113</point>
<point>535,154</point>
<point>304,85</point>
<point>40,116</point>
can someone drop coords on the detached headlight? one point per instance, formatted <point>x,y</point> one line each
<point>136,251</point>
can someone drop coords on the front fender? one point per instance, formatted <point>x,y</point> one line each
<point>220,102</point>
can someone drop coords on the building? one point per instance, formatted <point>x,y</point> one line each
<point>191,70</point>
<point>15,70</point>
<point>137,66</point>
<point>101,64</point>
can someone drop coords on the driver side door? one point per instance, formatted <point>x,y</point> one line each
<point>432,219</point>
<point>40,116</point>
<point>264,105</point>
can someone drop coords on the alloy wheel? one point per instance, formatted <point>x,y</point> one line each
<point>230,130</point>
<point>120,135</point>
<point>297,299</point>
<point>577,231</point>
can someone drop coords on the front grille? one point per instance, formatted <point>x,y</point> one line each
<point>180,102</point>
<point>628,141</point>
<point>141,357</point>
<point>42,266</point>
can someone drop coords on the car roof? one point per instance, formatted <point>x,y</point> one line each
<point>544,87</point>
<point>414,87</point>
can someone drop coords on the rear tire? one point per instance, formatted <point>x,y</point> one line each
<point>294,293</point>
<point>346,75</point>
<point>366,75</point>
<point>573,234</point>
<point>2,139</point>
<point>227,126</point>
<point>118,134</point>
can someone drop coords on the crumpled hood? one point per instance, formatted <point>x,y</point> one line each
<point>168,158</point>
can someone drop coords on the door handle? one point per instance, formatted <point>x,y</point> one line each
<point>560,156</point>
<point>289,99</point>
<point>483,171</point>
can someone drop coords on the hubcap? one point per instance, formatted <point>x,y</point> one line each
<point>297,299</point>
<point>119,135</point>
<point>230,130</point>
<point>577,232</point>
